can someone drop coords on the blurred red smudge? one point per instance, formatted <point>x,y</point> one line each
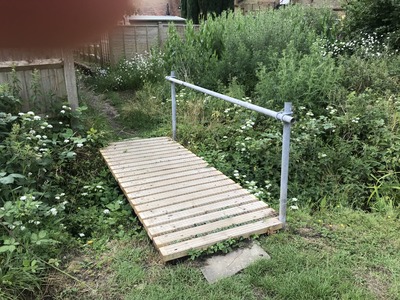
<point>56,23</point>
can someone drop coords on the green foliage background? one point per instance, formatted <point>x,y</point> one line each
<point>346,104</point>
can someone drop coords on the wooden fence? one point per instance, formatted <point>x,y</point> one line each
<point>44,79</point>
<point>98,52</point>
<point>126,41</point>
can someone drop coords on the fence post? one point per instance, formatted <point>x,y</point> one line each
<point>173,98</point>
<point>285,165</point>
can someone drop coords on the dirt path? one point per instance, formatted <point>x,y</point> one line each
<point>103,106</point>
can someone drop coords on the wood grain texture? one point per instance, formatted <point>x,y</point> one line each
<point>183,203</point>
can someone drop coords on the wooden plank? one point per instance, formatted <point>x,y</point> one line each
<point>154,169</point>
<point>23,65</point>
<point>200,210</point>
<point>202,194</point>
<point>185,234</point>
<point>203,219</point>
<point>241,195</point>
<point>25,77</point>
<point>158,164</point>
<point>215,186</point>
<point>165,176</point>
<point>131,147</point>
<point>130,176</point>
<point>137,141</point>
<point>145,156</point>
<point>175,186</point>
<point>70,79</point>
<point>140,185</point>
<point>143,152</point>
<point>181,249</point>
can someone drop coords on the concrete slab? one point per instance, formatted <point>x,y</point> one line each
<point>222,266</point>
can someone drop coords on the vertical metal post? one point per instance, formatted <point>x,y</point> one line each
<point>173,98</point>
<point>285,165</point>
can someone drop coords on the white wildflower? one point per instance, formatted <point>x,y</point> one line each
<point>81,234</point>
<point>106,211</point>
<point>53,211</point>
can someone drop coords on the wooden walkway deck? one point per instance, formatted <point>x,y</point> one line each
<point>182,202</point>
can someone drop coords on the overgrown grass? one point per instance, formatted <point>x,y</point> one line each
<point>340,254</point>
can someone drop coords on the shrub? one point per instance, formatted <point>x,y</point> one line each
<point>234,45</point>
<point>309,80</point>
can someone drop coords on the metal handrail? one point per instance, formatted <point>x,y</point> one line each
<point>285,116</point>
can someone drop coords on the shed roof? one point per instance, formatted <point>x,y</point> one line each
<point>156,19</point>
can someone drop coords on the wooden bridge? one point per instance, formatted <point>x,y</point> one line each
<point>182,202</point>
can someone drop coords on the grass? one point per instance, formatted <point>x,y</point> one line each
<point>341,254</point>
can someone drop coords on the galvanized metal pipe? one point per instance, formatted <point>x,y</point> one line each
<point>277,115</point>
<point>285,165</point>
<point>284,116</point>
<point>173,97</point>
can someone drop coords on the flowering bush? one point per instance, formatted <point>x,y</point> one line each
<point>43,163</point>
<point>129,74</point>
<point>366,45</point>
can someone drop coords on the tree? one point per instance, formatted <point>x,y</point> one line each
<point>379,16</point>
<point>199,9</point>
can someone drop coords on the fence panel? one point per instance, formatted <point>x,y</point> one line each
<point>126,41</point>
<point>40,78</point>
